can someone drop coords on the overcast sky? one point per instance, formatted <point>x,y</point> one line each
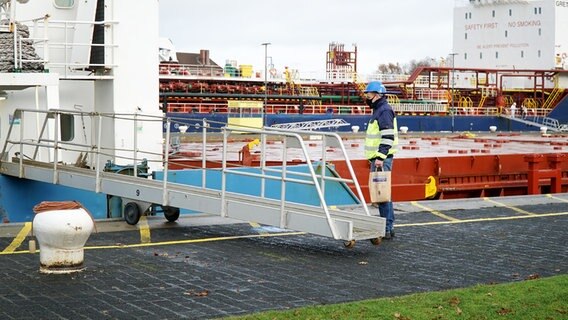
<point>300,30</point>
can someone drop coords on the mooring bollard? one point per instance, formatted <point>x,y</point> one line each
<point>61,229</point>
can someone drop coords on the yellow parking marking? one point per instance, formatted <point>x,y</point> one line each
<point>144,230</point>
<point>434,212</point>
<point>556,198</point>
<point>257,226</point>
<point>186,241</point>
<point>165,243</point>
<point>500,204</point>
<point>483,219</point>
<point>190,241</point>
<point>19,238</point>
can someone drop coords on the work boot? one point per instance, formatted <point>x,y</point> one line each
<point>387,236</point>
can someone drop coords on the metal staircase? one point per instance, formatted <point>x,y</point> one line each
<point>550,124</point>
<point>554,96</point>
<point>139,192</point>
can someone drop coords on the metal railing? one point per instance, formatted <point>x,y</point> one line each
<point>32,131</point>
<point>51,39</point>
<point>463,108</point>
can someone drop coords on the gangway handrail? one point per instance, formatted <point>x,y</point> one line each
<point>314,176</point>
<point>336,136</point>
<point>550,123</point>
<point>314,124</point>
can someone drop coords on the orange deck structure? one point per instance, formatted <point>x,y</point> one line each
<point>439,167</point>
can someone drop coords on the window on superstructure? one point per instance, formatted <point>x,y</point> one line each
<point>481,55</point>
<point>522,54</point>
<point>535,10</point>
<point>539,31</point>
<point>538,53</point>
<point>496,54</point>
<point>466,36</point>
<point>465,56</point>
<point>493,13</point>
<point>64,4</point>
<point>539,10</point>
<point>510,12</point>
<point>506,33</point>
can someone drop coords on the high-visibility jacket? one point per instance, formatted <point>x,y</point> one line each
<point>380,143</point>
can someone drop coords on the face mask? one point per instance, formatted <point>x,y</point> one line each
<point>369,102</point>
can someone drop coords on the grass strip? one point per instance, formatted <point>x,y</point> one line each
<point>541,298</point>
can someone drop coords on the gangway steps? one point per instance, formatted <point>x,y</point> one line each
<point>312,219</point>
<point>550,123</point>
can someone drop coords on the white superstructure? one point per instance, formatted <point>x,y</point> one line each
<point>511,34</point>
<point>99,56</point>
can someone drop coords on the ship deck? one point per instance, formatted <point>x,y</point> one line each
<point>204,267</point>
<point>411,145</point>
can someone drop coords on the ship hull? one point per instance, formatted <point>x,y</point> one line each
<point>415,123</point>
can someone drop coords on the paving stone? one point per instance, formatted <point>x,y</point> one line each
<point>216,279</point>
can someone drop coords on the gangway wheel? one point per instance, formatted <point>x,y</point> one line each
<point>131,213</point>
<point>171,213</point>
<point>376,241</point>
<point>349,244</point>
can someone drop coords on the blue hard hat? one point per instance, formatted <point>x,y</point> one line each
<point>376,86</point>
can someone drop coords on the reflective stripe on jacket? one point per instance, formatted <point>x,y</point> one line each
<point>381,143</point>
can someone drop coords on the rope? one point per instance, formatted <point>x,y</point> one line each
<point>57,205</point>
<point>62,205</point>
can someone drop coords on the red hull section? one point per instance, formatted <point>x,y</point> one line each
<point>470,176</point>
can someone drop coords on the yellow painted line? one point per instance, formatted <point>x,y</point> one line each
<point>166,243</point>
<point>500,204</point>
<point>434,212</point>
<point>189,241</point>
<point>254,224</point>
<point>483,219</point>
<point>257,226</point>
<point>556,198</point>
<point>144,230</point>
<point>19,238</point>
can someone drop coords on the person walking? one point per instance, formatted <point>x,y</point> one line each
<point>513,109</point>
<point>381,142</point>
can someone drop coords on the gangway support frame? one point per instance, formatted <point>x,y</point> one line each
<point>317,219</point>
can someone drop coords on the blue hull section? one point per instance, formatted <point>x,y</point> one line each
<point>19,196</point>
<point>336,193</point>
<point>414,123</point>
<point>560,112</point>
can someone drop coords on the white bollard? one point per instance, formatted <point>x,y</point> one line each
<point>355,129</point>
<point>61,235</point>
<point>183,128</point>
<point>403,129</point>
<point>493,128</point>
<point>543,130</point>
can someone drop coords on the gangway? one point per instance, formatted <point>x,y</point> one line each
<point>139,192</point>
<point>312,125</point>
<point>550,124</point>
